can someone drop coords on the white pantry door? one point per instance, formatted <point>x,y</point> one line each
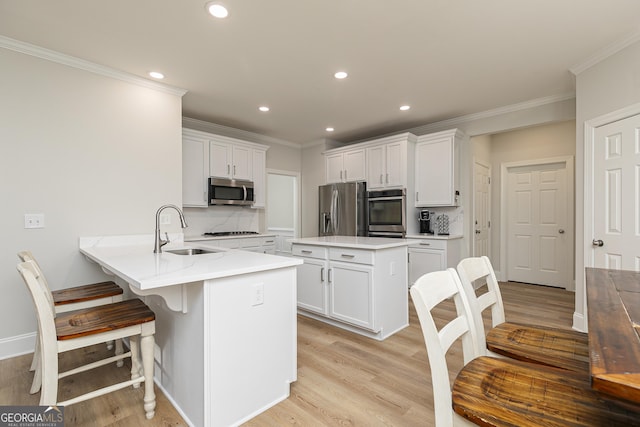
<point>537,218</point>
<point>481,209</point>
<point>616,195</point>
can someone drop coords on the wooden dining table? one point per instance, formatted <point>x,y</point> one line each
<point>613,305</point>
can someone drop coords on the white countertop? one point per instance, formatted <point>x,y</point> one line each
<point>371,243</point>
<point>435,236</point>
<point>132,259</point>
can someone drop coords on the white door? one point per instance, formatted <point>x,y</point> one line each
<point>616,195</point>
<point>538,245</point>
<point>481,209</point>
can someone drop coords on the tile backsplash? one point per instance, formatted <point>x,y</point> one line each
<point>220,218</point>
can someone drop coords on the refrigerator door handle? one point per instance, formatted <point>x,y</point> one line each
<point>334,212</point>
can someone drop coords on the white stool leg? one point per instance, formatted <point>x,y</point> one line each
<point>49,367</point>
<point>146,346</point>
<point>36,353</point>
<point>119,351</point>
<point>134,344</point>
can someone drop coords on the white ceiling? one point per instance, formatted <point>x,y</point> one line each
<point>446,58</point>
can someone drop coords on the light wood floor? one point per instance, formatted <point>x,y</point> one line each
<point>343,379</point>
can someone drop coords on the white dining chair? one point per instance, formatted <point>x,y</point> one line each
<point>61,332</point>
<point>562,348</point>
<point>500,392</point>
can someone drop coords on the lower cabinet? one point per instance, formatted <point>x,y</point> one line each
<point>360,290</point>
<point>428,255</point>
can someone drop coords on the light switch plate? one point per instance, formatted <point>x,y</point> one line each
<point>33,220</point>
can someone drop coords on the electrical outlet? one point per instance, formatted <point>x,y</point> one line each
<point>33,220</point>
<point>257,294</point>
<point>165,219</point>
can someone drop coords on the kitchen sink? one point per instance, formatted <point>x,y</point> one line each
<point>192,251</point>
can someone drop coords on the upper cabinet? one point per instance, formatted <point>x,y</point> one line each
<point>345,165</point>
<point>436,169</point>
<point>228,160</point>
<point>205,155</point>
<point>381,162</point>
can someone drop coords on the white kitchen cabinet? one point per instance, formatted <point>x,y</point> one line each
<point>195,170</point>
<point>436,169</point>
<point>259,177</point>
<point>387,166</point>
<point>351,294</point>
<point>205,155</point>
<point>345,166</point>
<point>228,160</point>
<point>358,289</point>
<point>428,255</point>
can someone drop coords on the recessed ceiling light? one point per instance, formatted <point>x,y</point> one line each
<point>217,10</point>
<point>340,75</point>
<point>329,129</point>
<point>405,107</point>
<point>156,75</point>
<point>263,108</point>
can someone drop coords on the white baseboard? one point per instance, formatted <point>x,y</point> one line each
<point>579,322</point>
<point>17,345</point>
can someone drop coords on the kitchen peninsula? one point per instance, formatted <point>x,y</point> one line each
<point>355,283</point>
<point>226,322</point>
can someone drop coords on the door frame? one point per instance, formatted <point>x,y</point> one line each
<point>580,318</point>
<point>504,249</point>
<point>297,205</point>
<point>473,203</point>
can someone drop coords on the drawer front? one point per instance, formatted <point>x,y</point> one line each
<point>309,251</point>
<point>429,244</point>
<point>360,256</point>
<point>268,241</point>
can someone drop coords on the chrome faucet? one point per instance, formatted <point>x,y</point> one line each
<point>159,242</point>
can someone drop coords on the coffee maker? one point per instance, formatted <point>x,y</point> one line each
<point>424,217</point>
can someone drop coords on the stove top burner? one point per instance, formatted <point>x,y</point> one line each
<point>230,233</point>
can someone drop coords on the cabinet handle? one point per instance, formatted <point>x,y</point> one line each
<point>322,274</point>
<point>417,196</point>
<point>345,174</point>
<point>348,256</point>
<point>425,244</point>
<point>269,241</point>
<point>228,169</point>
<point>380,178</point>
<point>234,170</point>
<point>331,275</point>
<point>387,178</point>
<point>304,251</point>
<point>340,175</point>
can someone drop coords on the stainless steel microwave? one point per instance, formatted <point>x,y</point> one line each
<point>224,191</point>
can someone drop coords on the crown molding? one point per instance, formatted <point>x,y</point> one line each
<point>217,129</point>
<point>605,53</point>
<point>457,121</point>
<point>81,64</point>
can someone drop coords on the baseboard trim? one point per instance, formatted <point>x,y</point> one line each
<point>17,345</point>
<point>579,323</point>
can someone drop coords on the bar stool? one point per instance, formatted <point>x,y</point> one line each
<point>501,392</point>
<point>81,328</point>
<point>70,299</point>
<point>561,348</point>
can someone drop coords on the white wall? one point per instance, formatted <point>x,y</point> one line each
<point>313,177</point>
<point>608,86</point>
<point>95,155</point>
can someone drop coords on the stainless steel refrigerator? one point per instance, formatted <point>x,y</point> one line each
<point>343,209</point>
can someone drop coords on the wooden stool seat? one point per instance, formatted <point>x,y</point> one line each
<point>502,392</point>
<point>85,293</point>
<point>101,319</point>
<point>562,348</point>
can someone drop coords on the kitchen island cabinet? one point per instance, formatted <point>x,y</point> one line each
<point>226,336</point>
<point>355,283</point>
<point>432,253</point>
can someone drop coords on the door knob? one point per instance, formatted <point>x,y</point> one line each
<point>561,231</point>
<point>598,242</point>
